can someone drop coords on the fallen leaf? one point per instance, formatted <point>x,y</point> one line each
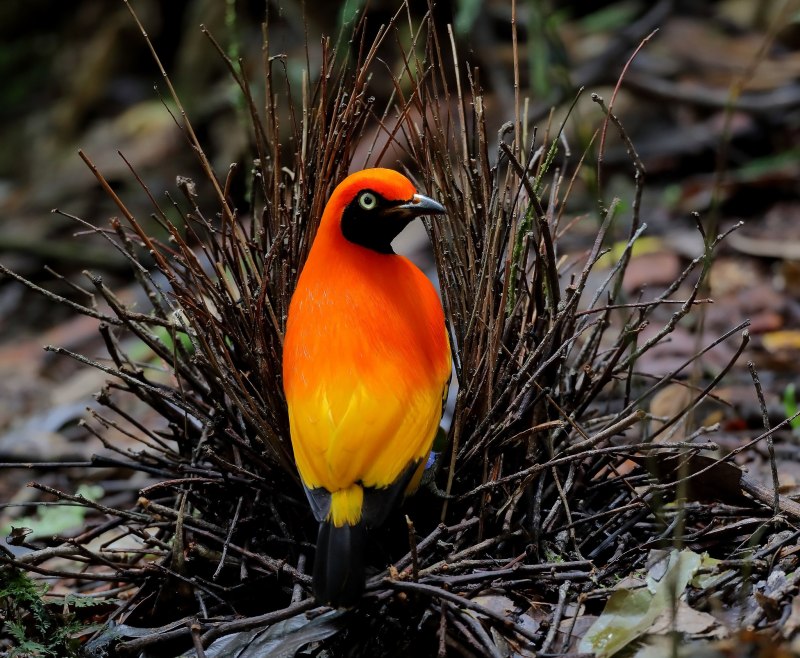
<point>685,620</point>
<point>577,629</point>
<point>743,644</point>
<point>657,269</point>
<point>644,246</point>
<point>729,275</point>
<point>504,606</point>
<point>716,480</point>
<point>629,614</point>
<point>707,576</point>
<point>781,341</point>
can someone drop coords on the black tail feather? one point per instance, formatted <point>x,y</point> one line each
<point>339,564</point>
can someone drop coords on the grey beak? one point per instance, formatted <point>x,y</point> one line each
<point>419,205</point>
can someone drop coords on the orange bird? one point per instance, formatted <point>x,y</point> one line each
<point>366,362</point>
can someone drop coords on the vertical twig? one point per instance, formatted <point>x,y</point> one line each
<point>228,539</point>
<point>297,589</point>
<point>442,632</point>
<point>197,642</point>
<point>412,542</point>
<point>558,613</point>
<point>770,445</point>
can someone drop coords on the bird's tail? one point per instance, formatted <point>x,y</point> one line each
<point>339,564</point>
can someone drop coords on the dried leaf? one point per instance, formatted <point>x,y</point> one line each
<point>642,247</point>
<point>685,620</point>
<point>281,640</point>
<point>781,341</point>
<point>511,611</point>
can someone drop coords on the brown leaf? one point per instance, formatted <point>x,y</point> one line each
<point>721,482</point>
<point>657,269</point>
<point>686,620</point>
<point>781,341</point>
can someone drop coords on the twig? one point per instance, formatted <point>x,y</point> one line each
<point>228,539</point>
<point>412,542</point>
<point>607,433</point>
<point>423,545</point>
<point>745,339</point>
<point>442,631</point>
<point>537,468</point>
<point>260,621</point>
<point>558,613</point>
<point>770,445</point>
<point>601,149</point>
<point>85,502</point>
<point>442,594</point>
<point>297,589</point>
<point>84,310</point>
<point>767,103</point>
<point>195,629</point>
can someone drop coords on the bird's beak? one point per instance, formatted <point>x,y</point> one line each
<point>419,205</point>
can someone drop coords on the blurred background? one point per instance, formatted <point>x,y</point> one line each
<point>711,103</point>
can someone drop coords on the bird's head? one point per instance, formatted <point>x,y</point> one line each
<point>370,208</point>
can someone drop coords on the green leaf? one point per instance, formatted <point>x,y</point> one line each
<point>790,406</point>
<point>613,17</point>
<point>349,11</point>
<point>629,613</point>
<point>706,580</point>
<point>56,519</point>
<point>84,601</point>
<point>466,14</point>
<point>642,247</point>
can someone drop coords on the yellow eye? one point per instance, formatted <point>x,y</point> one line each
<point>368,201</point>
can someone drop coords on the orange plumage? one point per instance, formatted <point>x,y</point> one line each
<point>365,367</point>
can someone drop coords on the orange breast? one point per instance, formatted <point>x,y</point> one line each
<point>366,360</point>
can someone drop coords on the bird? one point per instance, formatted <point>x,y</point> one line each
<point>366,368</point>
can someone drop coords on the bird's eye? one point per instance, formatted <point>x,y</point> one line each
<point>367,200</point>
